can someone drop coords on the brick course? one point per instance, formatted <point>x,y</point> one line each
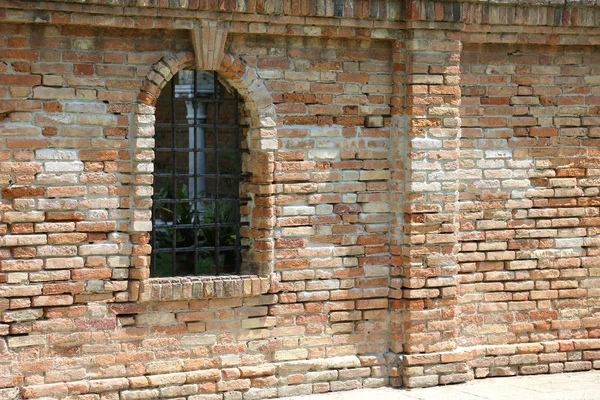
<point>423,198</point>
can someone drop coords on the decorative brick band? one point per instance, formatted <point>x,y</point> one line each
<point>337,8</point>
<point>341,17</point>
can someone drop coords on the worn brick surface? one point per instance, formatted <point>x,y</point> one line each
<point>526,204</point>
<point>423,198</point>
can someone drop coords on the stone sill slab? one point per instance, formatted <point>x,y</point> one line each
<point>204,287</point>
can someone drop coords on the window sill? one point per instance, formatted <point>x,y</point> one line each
<point>204,287</point>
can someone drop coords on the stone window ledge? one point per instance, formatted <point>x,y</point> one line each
<point>204,287</point>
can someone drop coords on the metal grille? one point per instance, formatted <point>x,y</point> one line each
<point>197,174</point>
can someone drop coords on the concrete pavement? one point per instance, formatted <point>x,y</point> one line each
<point>569,386</point>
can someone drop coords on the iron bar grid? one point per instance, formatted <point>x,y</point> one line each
<point>197,174</point>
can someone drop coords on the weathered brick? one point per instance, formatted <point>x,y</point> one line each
<point>480,215</point>
<point>51,93</point>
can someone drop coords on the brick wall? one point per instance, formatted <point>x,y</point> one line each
<point>68,245</point>
<point>423,199</point>
<point>529,208</point>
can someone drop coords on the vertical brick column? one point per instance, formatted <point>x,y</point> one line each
<point>397,191</point>
<point>429,250</point>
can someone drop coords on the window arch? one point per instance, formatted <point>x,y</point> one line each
<point>199,144</point>
<point>258,186</point>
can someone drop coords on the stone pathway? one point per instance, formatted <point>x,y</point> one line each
<point>570,386</point>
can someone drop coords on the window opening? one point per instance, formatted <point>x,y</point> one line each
<point>197,174</point>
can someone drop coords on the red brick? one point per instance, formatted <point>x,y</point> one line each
<point>23,192</point>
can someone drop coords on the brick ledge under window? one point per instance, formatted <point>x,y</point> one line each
<point>205,287</point>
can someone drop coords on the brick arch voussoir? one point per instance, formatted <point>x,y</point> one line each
<point>161,73</point>
<point>233,69</point>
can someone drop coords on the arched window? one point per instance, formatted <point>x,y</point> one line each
<point>199,141</point>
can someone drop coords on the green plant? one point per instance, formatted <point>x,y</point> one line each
<point>169,235</point>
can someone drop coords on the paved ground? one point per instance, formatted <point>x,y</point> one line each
<point>571,386</point>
